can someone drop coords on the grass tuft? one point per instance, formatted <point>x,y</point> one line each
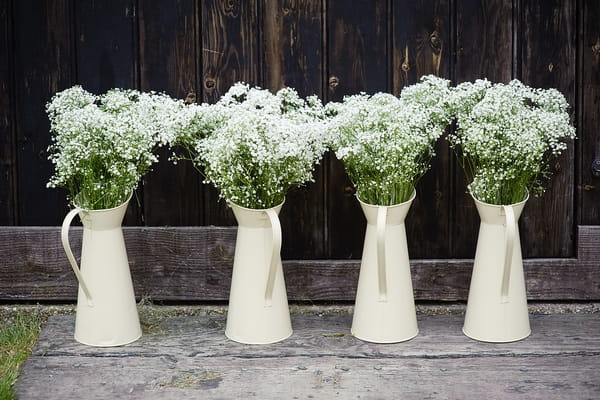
<point>18,335</point>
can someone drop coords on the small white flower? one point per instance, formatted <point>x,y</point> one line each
<point>386,142</point>
<point>506,135</point>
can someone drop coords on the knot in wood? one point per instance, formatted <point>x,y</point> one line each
<point>435,42</point>
<point>190,98</point>
<point>232,8</point>
<point>209,83</point>
<point>349,190</point>
<point>405,65</point>
<point>596,47</point>
<point>333,82</point>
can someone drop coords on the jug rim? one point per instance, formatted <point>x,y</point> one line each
<point>231,203</point>
<point>87,210</point>
<point>501,205</point>
<point>411,199</point>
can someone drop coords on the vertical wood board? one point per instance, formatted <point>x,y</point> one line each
<point>173,194</point>
<point>589,130</point>
<point>230,53</point>
<point>357,48</point>
<point>44,65</point>
<point>548,60</point>
<point>484,49</point>
<point>421,46</point>
<point>7,138</point>
<point>291,46</point>
<point>106,50</point>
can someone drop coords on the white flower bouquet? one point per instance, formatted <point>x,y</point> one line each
<point>102,145</point>
<point>253,146</point>
<point>386,143</point>
<point>506,136</point>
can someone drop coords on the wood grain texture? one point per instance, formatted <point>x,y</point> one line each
<point>7,109</point>
<point>106,49</point>
<point>291,44</point>
<point>328,334</point>
<point>230,53</point>
<point>588,243</point>
<point>357,57</point>
<point>194,264</point>
<point>106,56</point>
<point>173,194</point>
<point>329,47</point>
<point>421,46</point>
<point>484,49</point>
<point>548,44</point>
<point>44,65</point>
<point>589,128</point>
<point>183,357</point>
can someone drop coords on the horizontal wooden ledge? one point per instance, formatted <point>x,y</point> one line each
<point>194,264</point>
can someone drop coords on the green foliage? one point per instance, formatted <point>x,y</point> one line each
<point>17,338</point>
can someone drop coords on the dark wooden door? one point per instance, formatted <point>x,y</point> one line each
<point>330,48</point>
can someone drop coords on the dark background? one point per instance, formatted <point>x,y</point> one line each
<point>326,47</point>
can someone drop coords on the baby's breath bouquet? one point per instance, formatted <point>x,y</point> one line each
<point>253,146</point>
<point>506,136</point>
<point>103,144</point>
<point>386,143</point>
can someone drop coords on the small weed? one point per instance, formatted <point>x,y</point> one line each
<point>17,338</point>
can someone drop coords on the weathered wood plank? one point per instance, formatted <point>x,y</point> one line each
<point>484,49</point>
<point>292,40</point>
<point>194,264</point>
<point>44,64</point>
<point>230,53</point>
<point>589,118</point>
<point>357,40</point>
<point>106,49</point>
<point>588,243</point>
<point>173,195</point>
<point>548,60</point>
<point>328,335</point>
<point>191,357</point>
<point>7,109</point>
<point>421,46</point>
<point>533,378</point>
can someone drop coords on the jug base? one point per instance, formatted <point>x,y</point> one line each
<point>496,340</point>
<point>257,341</point>
<point>372,339</point>
<point>107,344</point>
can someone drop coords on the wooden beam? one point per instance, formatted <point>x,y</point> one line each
<point>194,264</point>
<point>190,357</point>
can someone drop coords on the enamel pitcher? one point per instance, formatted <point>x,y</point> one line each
<point>258,310</point>
<point>106,307</point>
<point>497,306</point>
<point>385,309</point>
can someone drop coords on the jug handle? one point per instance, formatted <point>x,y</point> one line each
<point>275,254</point>
<point>509,238</point>
<point>381,267</point>
<point>65,242</point>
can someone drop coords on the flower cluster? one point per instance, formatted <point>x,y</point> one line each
<point>506,136</point>
<point>254,145</point>
<point>103,145</point>
<point>386,143</point>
